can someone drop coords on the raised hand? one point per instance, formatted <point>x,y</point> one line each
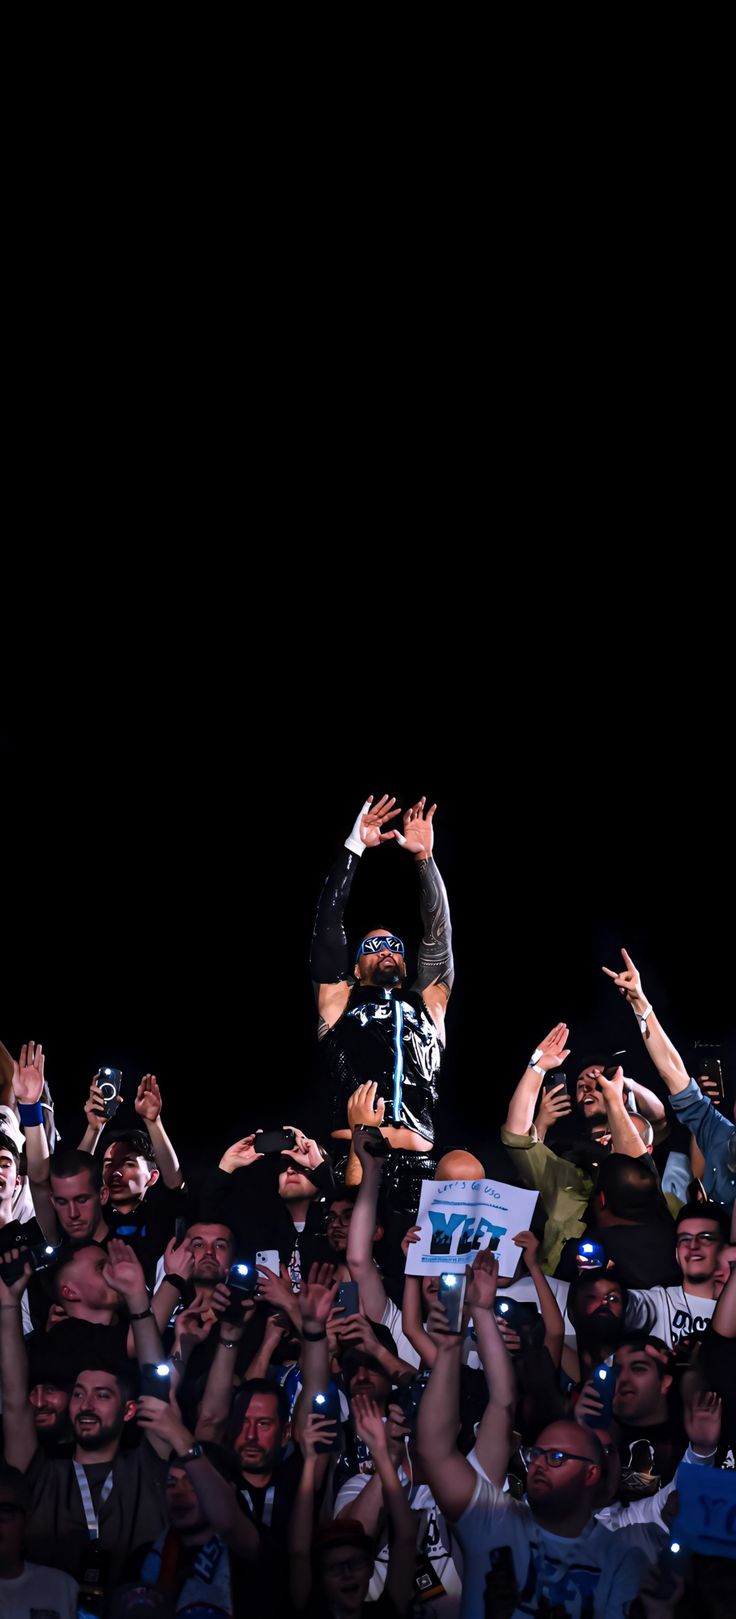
<point>702,1418</point>
<point>612,1090</point>
<point>162,1419</point>
<point>529,1245</point>
<point>710,1088</point>
<point>11,1293</point>
<point>369,1424</point>
<point>240,1155</point>
<point>193,1325</point>
<point>277,1290</point>
<point>28,1074</point>
<point>148,1099</point>
<point>363,1107</point>
<point>481,1281</point>
<point>628,982</point>
<point>318,1295</point>
<point>94,1106</point>
<point>364,1157</point>
<point>554,1105</point>
<point>553,1049</point>
<point>178,1261</point>
<point>305,1151</point>
<point>419,831</point>
<point>412,1235</point>
<point>316,1431</point>
<point>588,1404</point>
<point>358,1333</point>
<point>124,1271</point>
<point>373,818</point>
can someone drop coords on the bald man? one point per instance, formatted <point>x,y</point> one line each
<point>563,1559</point>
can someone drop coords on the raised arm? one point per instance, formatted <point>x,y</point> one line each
<point>316,1299</point>
<point>301,1521</point>
<point>148,1107</point>
<point>19,1428</point>
<point>666,1058</point>
<point>329,960</point>
<point>28,1081</point>
<point>435,968</point>
<point>493,1441</point>
<point>549,1054</point>
<point>451,1478</point>
<point>554,1325</point>
<point>402,1555</point>
<point>218,1390</point>
<point>359,1254</point>
<point>625,1137</point>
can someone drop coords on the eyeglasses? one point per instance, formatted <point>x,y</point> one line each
<point>609,1298</point>
<point>689,1237</point>
<point>553,1458</point>
<point>381,941</point>
<point>339,1219</point>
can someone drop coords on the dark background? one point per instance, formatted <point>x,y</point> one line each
<point>162,869</point>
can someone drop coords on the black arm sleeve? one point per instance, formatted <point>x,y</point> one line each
<point>436,965</point>
<point>328,957</point>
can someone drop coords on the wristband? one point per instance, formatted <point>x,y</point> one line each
<point>535,1068</point>
<point>229,1343</point>
<point>142,1315</point>
<point>642,1016</point>
<point>314,1337</point>
<point>355,843</point>
<point>182,1284</point>
<point>30,1113</point>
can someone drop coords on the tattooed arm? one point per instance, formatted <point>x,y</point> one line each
<point>329,958</point>
<point>436,969</point>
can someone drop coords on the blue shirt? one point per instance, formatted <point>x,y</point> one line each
<point>716,1138</point>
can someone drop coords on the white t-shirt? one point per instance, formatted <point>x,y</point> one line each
<point>668,1313</point>
<point>391,1318</point>
<point>435,1541</point>
<point>607,1568</point>
<point>39,1590</point>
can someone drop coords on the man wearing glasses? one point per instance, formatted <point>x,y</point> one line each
<point>673,1313</point>
<point>380,1038</point>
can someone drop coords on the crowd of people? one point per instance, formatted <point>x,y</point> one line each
<point>233,1396</point>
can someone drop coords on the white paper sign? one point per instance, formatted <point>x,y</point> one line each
<point>459,1217</point>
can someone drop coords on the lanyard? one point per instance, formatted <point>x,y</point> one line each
<point>267,1504</point>
<point>93,1525</point>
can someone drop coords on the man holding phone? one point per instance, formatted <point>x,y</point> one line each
<point>373,1028</point>
<point>715,1135</point>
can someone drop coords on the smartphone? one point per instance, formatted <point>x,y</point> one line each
<point>604,1381</point>
<point>328,1405</point>
<point>523,1318</point>
<point>274,1141</point>
<point>156,1379</point>
<point>43,1254</point>
<point>269,1258</point>
<point>452,1295</point>
<point>242,1278</point>
<point>109,1081</point>
<point>180,1230</point>
<point>348,1298</point>
<point>711,1067</point>
<point>590,1256</point>
<point>555,1077</point>
<point>409,1397</point>
<point>375,1143</point>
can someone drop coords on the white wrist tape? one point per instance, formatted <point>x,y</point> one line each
<point>642,1016</point>
<point>535,1056</point>
<point>355,842</point>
